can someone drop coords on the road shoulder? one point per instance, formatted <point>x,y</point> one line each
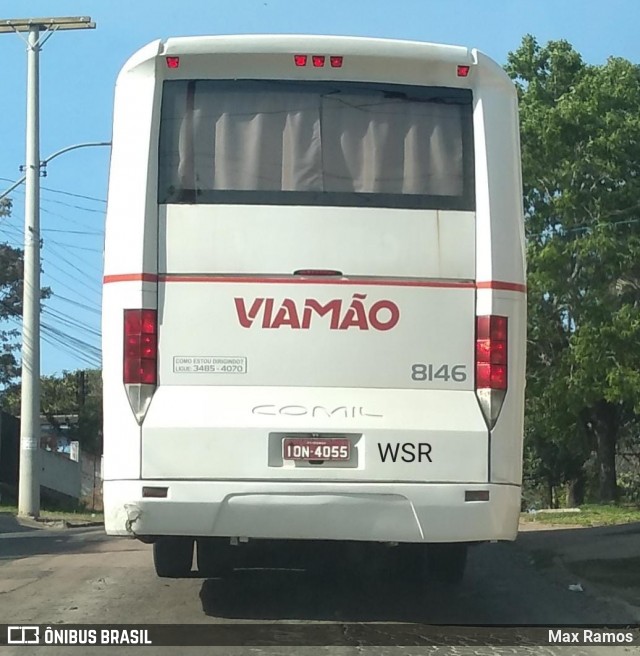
<point>601,561</point>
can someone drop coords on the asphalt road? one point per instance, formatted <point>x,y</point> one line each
<point>83,576</point>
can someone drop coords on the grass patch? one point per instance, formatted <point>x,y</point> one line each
<point>590,515</point>
<point>70,516</point>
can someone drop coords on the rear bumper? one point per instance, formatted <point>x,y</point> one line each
<point>408,512</point>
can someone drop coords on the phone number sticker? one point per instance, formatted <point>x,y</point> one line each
<point>209,364</point>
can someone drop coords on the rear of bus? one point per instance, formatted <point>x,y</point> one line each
<point>314,300</point>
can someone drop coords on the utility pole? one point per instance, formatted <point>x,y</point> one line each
<point>81,387</point>
<point>29,483</point>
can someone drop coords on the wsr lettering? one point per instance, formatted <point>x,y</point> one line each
<point>410,452</point>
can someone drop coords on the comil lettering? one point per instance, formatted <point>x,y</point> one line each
<point>340,315</point>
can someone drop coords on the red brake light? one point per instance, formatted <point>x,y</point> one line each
<point>499,377</point>
<point>173,62</point>
<point>463,71</point>
<point>140,347</point>
<point>318,60</point>
<point>491,352</point>
<point>336,62</point>
<point>300,60</point>
<point>492,327</point>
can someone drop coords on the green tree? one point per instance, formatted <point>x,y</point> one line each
<point>580,130</point>
<point>11,288</point>
<point>61,395</point>
<point>11,266</point>
<point>89,430</point>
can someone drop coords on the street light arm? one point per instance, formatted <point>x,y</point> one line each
<point>46,160</point>
<point>62,151</point>
<point>6,192</point>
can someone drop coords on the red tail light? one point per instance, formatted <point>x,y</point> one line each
<point>173,62</point>
<point>491,353</point>
<point>463,71</point>
<point>140,347</point>
<point>318,60</point>
<point>491,365</point>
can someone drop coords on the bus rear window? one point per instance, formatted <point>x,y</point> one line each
<point>354,144</point>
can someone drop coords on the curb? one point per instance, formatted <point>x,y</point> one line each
<point>64,523</point>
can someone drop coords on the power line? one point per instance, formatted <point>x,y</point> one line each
<point>72,323</point>
<point>17,234</point>
<point>90,264</point>
<point>58,340</point>
<point>54,340</point>
<point>64,218</point>
<point>76,303</point>
<point>79,248</point>
<point>52,261</point>
<point>61,202</point>
<point>71,289</point>
<point>69,193</point>
<point>51,245</point>
<point>62,348</point>
<point>44,209</point>
<point>75,207</point>
<point>74,232</point>
<point>97,286</point>
<point>75,341</point>
<point>65,193</point>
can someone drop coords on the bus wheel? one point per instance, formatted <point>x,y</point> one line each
<point>446,562</point>
<point>172,556</point>
<point>213,556</point>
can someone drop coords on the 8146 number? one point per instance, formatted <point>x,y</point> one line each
<point>428,372</point>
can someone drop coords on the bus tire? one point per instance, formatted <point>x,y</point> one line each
<point>173,556</point>
<point>446,563</point>
<point>213,557</point>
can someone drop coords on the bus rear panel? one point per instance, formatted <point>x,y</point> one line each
<point>314,301</point>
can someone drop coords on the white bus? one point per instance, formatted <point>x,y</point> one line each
<point>314,300</point>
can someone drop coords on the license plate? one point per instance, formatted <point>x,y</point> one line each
<point>313,448</point>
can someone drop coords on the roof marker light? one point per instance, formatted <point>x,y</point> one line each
<point>318,60</point>
<point>173,62</point>
<point>336,62</point>
<point>300,60</point>
<point>463,71</point>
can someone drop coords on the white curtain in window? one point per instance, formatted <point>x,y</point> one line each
<point>391,146</point>
<point>245,140</point>
<point>255,138</point>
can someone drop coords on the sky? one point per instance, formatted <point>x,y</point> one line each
<point>78,71</point>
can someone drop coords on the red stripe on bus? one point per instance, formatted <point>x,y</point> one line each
<point>504,286</point>
<point>150,277</point>
<point>131,277</point>
<point>328,280</point>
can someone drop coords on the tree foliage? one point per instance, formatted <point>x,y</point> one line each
<point>580,131</point>
<point>11,267</point>
<point>62,396</point>
<point>11,290</point>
